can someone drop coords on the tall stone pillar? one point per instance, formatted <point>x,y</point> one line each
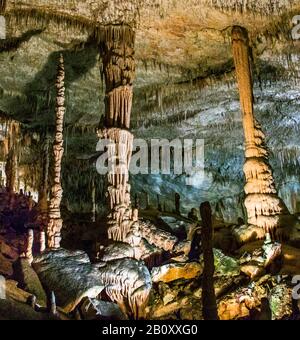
<point>11,170</point>
<point>117,51</point>
<point>11,146</point>
<point>42,218</point>
<point>264,208</point>
<point>94,207</point>
<point>55,222</point>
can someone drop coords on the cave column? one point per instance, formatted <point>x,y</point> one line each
<point>117,52</point>
<point>11,169</point>
<point>12,149</point>
<point>94,207</point>
<point>55,222</point>
<point>264,207</point>
<point>42,218</point>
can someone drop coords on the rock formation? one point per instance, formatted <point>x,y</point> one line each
<point>55,222</point>
<point>10,150</point>
<point>264,208</point>
<point>42,218</point>
<point>117,51</point>
<point>72,277</point>
<point>29,245</point>
<point>208,291</point>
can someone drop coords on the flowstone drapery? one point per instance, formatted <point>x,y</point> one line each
<point>264,208</point>
<point>55,222</point>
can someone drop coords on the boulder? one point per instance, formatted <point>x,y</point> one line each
<point>8,251</point>
<point>13,292</point>
<point>166,293</point>
<point>6,268</point>
<point>232,309</point>
<point>194,312</point>
<point>29,281</point>
<point>116,251</point>
<point>175,271</point>
<point>14,310</point>
<point>290,256</point>
<point>280,299</point>
<point>291,260</point>
<point>253,270</point>
<point>225,284</point>
<point>248,233</point>
<point>70,275</point>
<point>225,265</point>
<point>94,309</point>
<point>162,310</point>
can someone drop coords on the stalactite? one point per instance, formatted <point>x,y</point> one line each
<point>55,221</point>
<point>264,207</point>
<point>262,7</point>
<point>210,311</point>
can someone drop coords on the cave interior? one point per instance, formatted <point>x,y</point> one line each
<point>149,160</point>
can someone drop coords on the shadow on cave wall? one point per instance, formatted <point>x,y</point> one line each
<point>12,44</point>
<point>37,107</point>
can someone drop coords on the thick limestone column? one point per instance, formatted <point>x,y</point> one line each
<point>117,51</point>
<point>264,208</point>
<point>55,222</point>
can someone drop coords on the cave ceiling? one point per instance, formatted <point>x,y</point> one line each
<point>184,78</point>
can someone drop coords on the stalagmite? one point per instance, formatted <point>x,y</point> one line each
<point>29,245</point>
<point>11,169</point>
<point>53,308</point>
<point>264,208</point>
<point>55,221</point>
<point>42,241</point>
<point>42,218</point>
<point>11,152</point>
<point>177,203</point>
<point>93,201</point>
<point>208,291</point>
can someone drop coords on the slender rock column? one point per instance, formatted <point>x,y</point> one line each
<point>210,310</point>
<point>42,218</point>
<point>55,221</point>
<point>93,201</point>
<point>264,208</point>
<point>117,51</point>
<point>29,245</point>
<point>11,169</point>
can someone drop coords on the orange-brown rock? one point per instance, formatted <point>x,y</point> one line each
<point>175,271</point>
